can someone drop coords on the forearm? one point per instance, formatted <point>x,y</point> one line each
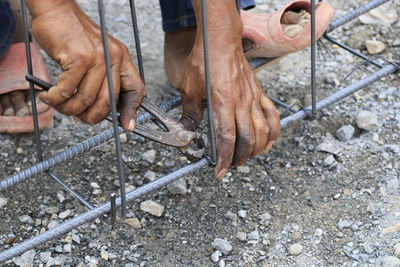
<point>40,7</point>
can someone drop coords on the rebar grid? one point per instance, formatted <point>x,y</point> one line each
<point>45,165</point>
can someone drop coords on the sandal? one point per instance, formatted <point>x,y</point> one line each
<point>13,69</point>
<point>292,34</point>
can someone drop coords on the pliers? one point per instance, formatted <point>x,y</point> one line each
<point>191,143</point>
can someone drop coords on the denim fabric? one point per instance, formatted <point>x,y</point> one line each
<point>178,14</point>
<point>7,26</point>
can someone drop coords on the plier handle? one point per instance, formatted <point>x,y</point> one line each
<point>192,144</point>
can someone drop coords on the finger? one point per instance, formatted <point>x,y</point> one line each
<point>19,102</point>
<point>1,107</point>
<point>133,92</point>
<point>273,118</point>
<point>225,130</point>
<point>41,107</point>
<point>101,108</point>
<point>269,146</point>
<point>192,108</point>
<point>7,105</point>
<point>66,84</point>
<point>86,94</point>
<point>261,129</point>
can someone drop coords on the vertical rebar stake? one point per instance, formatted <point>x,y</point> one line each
<point>208,84</point>
<point>137,40</point>
<point>113,208</point>
<point>113,107</point>
<point>313,63</point>
<point>32,93</point>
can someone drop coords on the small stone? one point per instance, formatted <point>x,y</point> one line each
<point>374,46</point>
<point>241,236</point>
<point>295,249</point>
<point>221,263</point>
<point>25,259</point>
<point>60,196</point>
<point>3,202</point>
<point>388,261</point>
<point>265,217</point>
<point>307,100</point>
<point>45,256</point>
<point>26,219</point>
<point>149,156</point>
<point>215,256</point>
<point>10,239</point>
<point>52,224</point>
<point>134,222</point>
<point>342,224</point>
<point>345,133</point>
<point>368,248</point>
<point>244,169</point>
<point>367,120</point>
<point>150,175</point>
<point>104,255</point>
<point>19,151</point>
<point>123,138</point>
<point>397,250</point>
<point>222,245</point>
<point>65,214</point>
<point>76,238</point>
<point>242,213</point>
<point>330,145</point>
<point>329,160</point>
<point>319,232</point>
<point>255,235</point>
<point>179,187</point>
<point>52,210</point>
<point>152,207</point>
<point>67,248</point>
<point>296,236</point>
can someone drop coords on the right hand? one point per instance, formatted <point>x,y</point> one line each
<point>74,41</point>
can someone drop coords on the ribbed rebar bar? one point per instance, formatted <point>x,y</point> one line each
<point>355,14</point>
<point>76,150</point>
<point>98,211</point>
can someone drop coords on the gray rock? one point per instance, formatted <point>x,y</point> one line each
<point>65,214</point>
<point>342,224</point>
<point>329,160</point>
<point>345,133</point>
<point>179,187</point>
<point>242,213</point>
<point>396,248</point>
<point>388,261</point>
<point>45,256</point>
<point>150,175</point>
<point>265,217</point>
<point>3,202</point>
<point>367,120</point>
<point>231,215</point>
<point>52,210</point>
<point>61,196</point>
<point>149,156</point>
<point>215,256</point>
<point>295,249</point>
<point>255,235</point>
<point>52,224</point>
<point>241,236</point>
<point>221,263</point>
<point>244,169</point>
<point>67,248</point>
<point>26,219</point>
<point>392,148</point>
<point>222,245</point>
<point>76,238</point>
<point>152,208</point>
<point>25,259</point>
<point>330,145</point>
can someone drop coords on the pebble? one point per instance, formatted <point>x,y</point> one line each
<point>95,185</point>
<point>150,175</point>
<point>329,160</point>
<point>221,263</point>
<point>255,235</point>
<point>241,236</point>
<point>123,138</point>
<point>215,256</point>
<point>19,151</point>
<point>265,217</point>
<point>67,248</point>
<point>244,169</point>
<point>374,46</point>
<point>45,256</point>
<point>396,248</point>
<point>104,255</point>
<point>296,236</point>
<point>388,261</point>
<point>76,238</point>
<point>295,249</point>
<point>152,208</point>
<point>345,133</point>
<point>222,245</point>
<point>330,145</point>
<point>52,210</point>
<point>3,202</point>
<point>65,214</point>
<point>134,222</point>
<point>25,259</point>
<point>367,120</point>
<point>52,224</point>
<point>149,156</point>
<point>242,213</point>
<point>179,187</point>
<point>26,219</point>
<point>342,224</point>
<point>61,197</point>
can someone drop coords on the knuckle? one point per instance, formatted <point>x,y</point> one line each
<point>83,59</point>
<point>228,136</point>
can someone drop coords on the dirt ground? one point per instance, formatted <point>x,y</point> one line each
<point>296,206</point>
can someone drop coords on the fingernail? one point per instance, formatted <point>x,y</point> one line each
<point>269,146</point>
<point>131,125</point>
<point>221,174</point>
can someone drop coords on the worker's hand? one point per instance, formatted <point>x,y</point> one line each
<point>74,41</point>
<point>246,121</point>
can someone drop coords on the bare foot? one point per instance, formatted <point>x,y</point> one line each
<point>17,103</point>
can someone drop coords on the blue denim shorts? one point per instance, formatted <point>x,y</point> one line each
<point>7,26</point>
<point>178,14</point>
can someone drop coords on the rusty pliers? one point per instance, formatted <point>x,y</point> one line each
<point>191,143</point>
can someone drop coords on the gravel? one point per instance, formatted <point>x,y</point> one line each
<point>222,245</point>
<point>295,249</point>
<point>152,208</point>
<point>367,120</point>
<point>216,256</point>
<point>3,202</point>
<point>179,187</point>
<point>345,133</point>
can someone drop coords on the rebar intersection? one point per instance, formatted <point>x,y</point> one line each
<point>94,212</point>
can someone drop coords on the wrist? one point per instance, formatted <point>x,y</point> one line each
<point>41,7</point>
